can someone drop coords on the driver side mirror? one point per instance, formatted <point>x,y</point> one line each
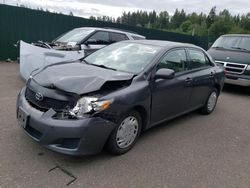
<point>90,41</point>
<point>164,74</point>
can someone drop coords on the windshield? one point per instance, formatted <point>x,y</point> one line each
<point>233,43</point>
<point>75,35</point>
<point>125,57</point>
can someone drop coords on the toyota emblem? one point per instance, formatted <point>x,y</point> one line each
<point>39,96</point>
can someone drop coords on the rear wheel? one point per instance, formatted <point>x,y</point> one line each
<point>211,102</point>
<point>125,135</point>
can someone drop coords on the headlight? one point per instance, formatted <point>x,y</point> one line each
<point>89,104</point>
<point>248,67</point>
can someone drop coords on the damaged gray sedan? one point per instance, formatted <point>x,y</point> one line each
<point>111,96</point>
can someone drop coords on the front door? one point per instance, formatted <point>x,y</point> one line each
<point>170,96</point>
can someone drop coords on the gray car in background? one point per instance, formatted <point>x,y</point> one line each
<point>89,39</point>
<point>70,46</point>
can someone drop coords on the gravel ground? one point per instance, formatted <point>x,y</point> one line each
<point>190,151</point>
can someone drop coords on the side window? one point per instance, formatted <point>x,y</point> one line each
<point>100,37</point>
<point>198,59</point>
<point>116,37</point>
<point>175,60</point>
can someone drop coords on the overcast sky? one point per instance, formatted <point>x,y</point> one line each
<point>114,8</point>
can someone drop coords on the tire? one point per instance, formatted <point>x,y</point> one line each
<point>129,128</point>
<point>211,102</point>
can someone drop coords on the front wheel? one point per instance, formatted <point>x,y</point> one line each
<point>211,102</point>
<point>124,136</point>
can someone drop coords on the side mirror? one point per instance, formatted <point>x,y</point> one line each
<point>90,41</point>
<point>165,74</point>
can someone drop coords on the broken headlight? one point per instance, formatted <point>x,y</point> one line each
<point>87,105</point>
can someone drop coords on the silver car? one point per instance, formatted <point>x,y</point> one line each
<point>70,46</point>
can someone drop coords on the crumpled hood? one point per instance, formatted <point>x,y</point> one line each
<point>77,77</point>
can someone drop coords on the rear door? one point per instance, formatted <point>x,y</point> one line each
<point>202,76</point>
<point>170,96</point>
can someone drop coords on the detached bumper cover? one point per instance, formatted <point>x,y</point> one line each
<point>74,137</point>
<point>241,80</point>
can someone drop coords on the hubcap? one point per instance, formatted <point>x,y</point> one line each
<point>212,101</point>
<point>127,132</point>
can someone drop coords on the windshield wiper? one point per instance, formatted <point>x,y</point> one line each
<point>218,47</point>
<point>85,61</point>
<point>102,66</point>
<point>239,48</point>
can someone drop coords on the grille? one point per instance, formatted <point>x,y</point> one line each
<point>235,68</point>
<point>46,103</point>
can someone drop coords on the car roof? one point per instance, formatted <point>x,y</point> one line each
<point>164,44</point>
<point>236,35</point>
<point>112,30</point>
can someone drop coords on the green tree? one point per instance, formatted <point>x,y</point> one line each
<point>211,17</point>
<point>92,18</point>
<point>186,26</point>
<point>223,24</point>
<point>178,18</point>
<point>163,20</point>
<point>245,21</point>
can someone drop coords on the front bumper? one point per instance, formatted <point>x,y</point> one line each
<point>241,80</point>
<point>74,137</point>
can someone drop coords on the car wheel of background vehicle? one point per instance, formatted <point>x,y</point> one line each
<point>124,136</point>
<point>211,102</point>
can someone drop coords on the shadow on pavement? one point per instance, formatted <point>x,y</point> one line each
<point>234,89</point>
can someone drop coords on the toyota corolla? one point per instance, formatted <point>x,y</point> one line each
<point>111,96</point>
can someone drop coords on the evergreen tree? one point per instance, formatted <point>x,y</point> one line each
<point>211,17</point>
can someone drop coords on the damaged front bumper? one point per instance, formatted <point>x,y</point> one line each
<point>69,136</point>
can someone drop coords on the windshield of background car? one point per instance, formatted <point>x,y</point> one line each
<point>125,57</point>
<point>75,35</point>
<point>233,43</point>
